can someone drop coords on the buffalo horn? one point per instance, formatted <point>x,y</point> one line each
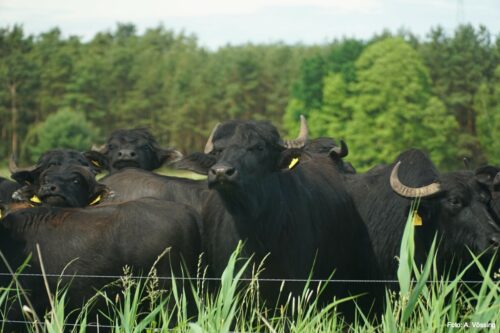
<point>301,140</point>
<point>101,149</point>
<point>13,168</point>
<point>341,151</point>
<point>210,145</point>
<point>411,192</point>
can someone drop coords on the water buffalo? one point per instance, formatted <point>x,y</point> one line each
<point>286,206</point>
<point>56,157</point>
<point>135,148</point>
<point>328,146</point>
<point>453,205</point>
<point>93,241</point>
<point>490,176</point>
<point>7,188</point>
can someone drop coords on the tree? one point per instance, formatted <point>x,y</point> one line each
<point>487,103</point>
<point>458,66</point>
<point>17,74</point>
<point>391,108</point>
<point>63,129</point>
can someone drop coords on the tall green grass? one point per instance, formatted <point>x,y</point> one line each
<point>418,306</point>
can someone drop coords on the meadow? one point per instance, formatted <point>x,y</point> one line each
<point>424,302</point>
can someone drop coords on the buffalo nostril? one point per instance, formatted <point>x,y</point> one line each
<point>53,188</point>
<point>120,154</point>
<point>132,154</point>
<point>230,171</point>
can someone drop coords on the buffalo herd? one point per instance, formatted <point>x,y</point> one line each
<point>301,211</point>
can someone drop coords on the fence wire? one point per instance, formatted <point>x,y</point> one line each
<point>139,277</point>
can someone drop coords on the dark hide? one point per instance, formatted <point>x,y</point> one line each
<point>56,157</point>
<point>490,176</point>
<point>324,146</point>
<point>64,186</point>
<point>135,148</point>
<point>101,240</point>
<point>132,183</point>
<point>458,214</point>
<point>303,217</point>
<point>7,188</point>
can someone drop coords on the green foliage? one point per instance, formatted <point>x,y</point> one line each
<point>488,118</point>
<point>387,109</point>
<point>63,129</point>
<point>362,91</point>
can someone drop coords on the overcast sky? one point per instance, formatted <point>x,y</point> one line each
<point>219,22</point>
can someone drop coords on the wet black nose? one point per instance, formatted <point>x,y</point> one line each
<point>222,173</point>
<point>126,154</point>
<point>49,188</point>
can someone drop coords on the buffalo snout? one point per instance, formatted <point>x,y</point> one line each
<point>47,189</point>
<point>222,173</point>
<point>127,154</point>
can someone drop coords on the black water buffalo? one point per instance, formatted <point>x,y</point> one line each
<point>65,186</point>
<point>293,209</point>
<point>136,148</point>
<point>490,176</point>
<point>453,205</point>
<point>328,146</point>
<point>56,157</point>
<point>97,240</point>
<point>7,188</point>
<point>132,183</point>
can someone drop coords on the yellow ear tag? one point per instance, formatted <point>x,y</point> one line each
<point>417,220</point>
<point>35,199</point>
<point>97,164</point>
<point>96,200</point>
<point>293,163</point>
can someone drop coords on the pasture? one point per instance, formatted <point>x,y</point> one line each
<point>426,303</point>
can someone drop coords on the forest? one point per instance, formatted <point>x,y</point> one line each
<point>440,92</point>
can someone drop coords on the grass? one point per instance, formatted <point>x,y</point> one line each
<point>419,306</point>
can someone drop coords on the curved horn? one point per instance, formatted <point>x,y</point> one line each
<point>301,139</point>
<point>13,168</point>
<point>101,149</point>
<point>340,152</point>
<point>210,145</point>
<point>411,192</point>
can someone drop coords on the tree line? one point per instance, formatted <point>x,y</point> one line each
<point>440,93</point>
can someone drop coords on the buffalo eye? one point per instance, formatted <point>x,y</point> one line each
<point>216,151</point>
<point>455,202</point>
<point>484,197</point>
<point>111,147</point>
<point>76,181</point>
<point>257,147</point>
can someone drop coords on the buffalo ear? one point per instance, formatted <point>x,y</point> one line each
<point>97,160</point>
<point>168,155</point>
<point>196,162</point>
<point>290,158</point>
<point>100,193</point>
<point>487,174</point>
<point>3,210</point>
<point>25,177</point>
<point>25,193</point>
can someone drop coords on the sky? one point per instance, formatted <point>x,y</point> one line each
<point>221,22</point>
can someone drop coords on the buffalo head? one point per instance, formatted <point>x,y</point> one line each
<point>135,148</point>
<point>456,205</point>
<point>64,186</point>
